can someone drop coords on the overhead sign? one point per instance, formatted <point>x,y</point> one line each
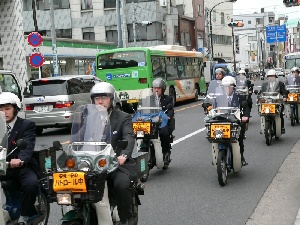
<point>276,34</point>
<point>35,39</point>
<point>36,60</point>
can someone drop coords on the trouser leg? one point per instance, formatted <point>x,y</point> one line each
<point>165,139</point>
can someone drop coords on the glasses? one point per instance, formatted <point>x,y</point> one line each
<point>101,98</point>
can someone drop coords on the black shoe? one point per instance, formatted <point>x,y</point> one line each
<point>282,130</point>
<point>244,163</point>
<point>167,158</point>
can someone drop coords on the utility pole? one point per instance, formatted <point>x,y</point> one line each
<point>53,37</point>
<point>124,24</point>
<point>119,26</point>
<point>233,43</point>
<point>133,23</point>
<point>36,29</point>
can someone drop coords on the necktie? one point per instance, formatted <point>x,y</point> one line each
<point>8,128</point>
<point>229,101</point>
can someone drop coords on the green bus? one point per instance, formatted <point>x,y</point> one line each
<point>133,69</point>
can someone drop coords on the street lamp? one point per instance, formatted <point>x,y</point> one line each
<point>210,26</point>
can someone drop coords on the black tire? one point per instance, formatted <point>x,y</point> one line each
<point>293,119</point>
<point>39,130</point>
<point>135,218</point>
<point>43,207</point>
<point>172,93</point>
<point>222,168</point>
<point>268,133</point>
<point>73,222</point>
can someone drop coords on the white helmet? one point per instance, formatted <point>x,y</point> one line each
<point>295,69</point>
<point>10,98</point>
<point>242,72</point>
<point>104,89</point>
<point>271,72</point>
<point>228,81</point>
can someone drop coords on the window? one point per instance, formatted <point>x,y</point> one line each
<point>171,68</point>
<point>252,38</point>
<point>109,3</point>
<point>176,34</point>
<point>271,19</point>
<point>86,4</point>
<point>158,67</point>
<point>249,21</point>
<point>259,21</point>
<point>214,15</point>
<point>88,33</point>
<point>112,36</point>
<point>222,18</point>
<point>57,4</point>
<point>200,10</point>
<point>188,39</point>
<point>121,60</point>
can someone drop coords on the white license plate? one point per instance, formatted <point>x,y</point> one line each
<point>42,108</point>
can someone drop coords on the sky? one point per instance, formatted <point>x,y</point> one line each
<point>250,6</point>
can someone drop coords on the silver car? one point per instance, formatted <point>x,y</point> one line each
<point>279,72</point>
<point>51,102</point>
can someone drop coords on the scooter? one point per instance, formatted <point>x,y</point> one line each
<point>80,179</point>
<point>292,101</point>
<point>223,125</point>
<point>147,120</point>
<point>11,208</point>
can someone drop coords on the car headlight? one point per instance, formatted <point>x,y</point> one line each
<point>218,133</point>
<point>84,165</point>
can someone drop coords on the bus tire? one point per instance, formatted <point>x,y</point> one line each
<point>172,93</point>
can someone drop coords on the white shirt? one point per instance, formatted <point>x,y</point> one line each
<point>12,123</point>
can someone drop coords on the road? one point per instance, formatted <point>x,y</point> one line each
<point>188,192</point>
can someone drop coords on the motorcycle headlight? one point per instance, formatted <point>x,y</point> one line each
<point>267,110</point>
<point>84,165</point>
<point>140,133</point>
<point>218,133</point>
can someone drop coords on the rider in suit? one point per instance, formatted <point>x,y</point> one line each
<point>121,129</point>
<point>23,167</point>
<point>293,78</point>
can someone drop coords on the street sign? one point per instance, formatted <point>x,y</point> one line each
<point>35,39</point>
<point>36,60</point>
<point>276,34</point>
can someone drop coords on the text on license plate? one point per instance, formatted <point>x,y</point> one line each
<point>224,127</point>
<point>292,97</point>
<point>141,126</point>
<point>42,108</point>
<point>69,181</point>
<point>268,108</point>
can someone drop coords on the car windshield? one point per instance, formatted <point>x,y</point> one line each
<point>278,69</point>
<point>46,88</point>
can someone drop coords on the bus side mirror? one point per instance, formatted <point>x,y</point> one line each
<point>204,64</point>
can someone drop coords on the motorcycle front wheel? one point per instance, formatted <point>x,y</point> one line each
<point>43,207</point>
<point>73,222</point>
<point>293,116</point>
<point>268,133</point>
<point>222,168</point>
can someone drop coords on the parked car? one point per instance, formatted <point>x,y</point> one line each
<point>9,83</point>
<point>51,102</point>
<point>279,72</point>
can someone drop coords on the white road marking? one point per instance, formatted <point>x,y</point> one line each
<point>188,136</point>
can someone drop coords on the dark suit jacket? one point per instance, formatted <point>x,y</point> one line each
<point>236,101</point>
<point>23,129</point>
<point>165,101</point>
<point>280,88</point>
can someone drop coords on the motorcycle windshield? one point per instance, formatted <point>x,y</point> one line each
<point>292,81</point>
<point>214,87</point>
<point>3,136</point>
<point>241,90</point>
<point>91,125</point>
<point>241,80</point>
<point>149,109</point>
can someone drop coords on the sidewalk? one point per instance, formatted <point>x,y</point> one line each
<point>281,201</point>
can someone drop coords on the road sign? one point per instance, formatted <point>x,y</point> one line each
<point>35,39</point>
<point>36,60</point>
<point>276,34</point>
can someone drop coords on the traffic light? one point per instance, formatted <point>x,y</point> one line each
<point>236,24</point>
<point>237,44</point>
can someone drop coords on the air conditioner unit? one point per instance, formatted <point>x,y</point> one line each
<point>163,3</point>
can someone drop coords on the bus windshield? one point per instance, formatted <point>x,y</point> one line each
<point>121,60</point>
<point>289,63</point>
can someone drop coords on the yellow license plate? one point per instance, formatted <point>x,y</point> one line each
<point>132,101</point>
<point>69,181</point>
<point>224,127</point>
<point>268,108</point>
<point>142,126</point>
<point>292,97</point>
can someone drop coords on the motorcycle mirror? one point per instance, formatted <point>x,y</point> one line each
<point>256,92</point>
<point>21,144</point>
<point>57,146</point>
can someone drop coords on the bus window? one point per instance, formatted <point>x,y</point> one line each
<point>180,67</point>
<point>189,70</point>
<point>171,68</point>
<point>297,63</point>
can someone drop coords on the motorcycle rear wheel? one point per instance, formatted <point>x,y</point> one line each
<point>268,133</point>
<point>73,222</point>
<point>222,168</point>
<point>293,116</point>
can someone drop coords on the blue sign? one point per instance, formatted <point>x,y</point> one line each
<point>108,76</point>
<point>276,34</point>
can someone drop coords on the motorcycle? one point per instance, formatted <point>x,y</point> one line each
<point>147,120</point>
<point>80,179</point>
<point>11,189</point>
<point>270,106</point>
<point>223,125</point>
<point>292,101</point>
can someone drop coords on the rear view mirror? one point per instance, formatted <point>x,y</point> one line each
<point>256,92</point>
<point>204,64</point>
<point>57,146</point>
<point>21,144</point>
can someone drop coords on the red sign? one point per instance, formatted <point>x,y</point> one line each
<point>35,39</point>
<point>36,60</point>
